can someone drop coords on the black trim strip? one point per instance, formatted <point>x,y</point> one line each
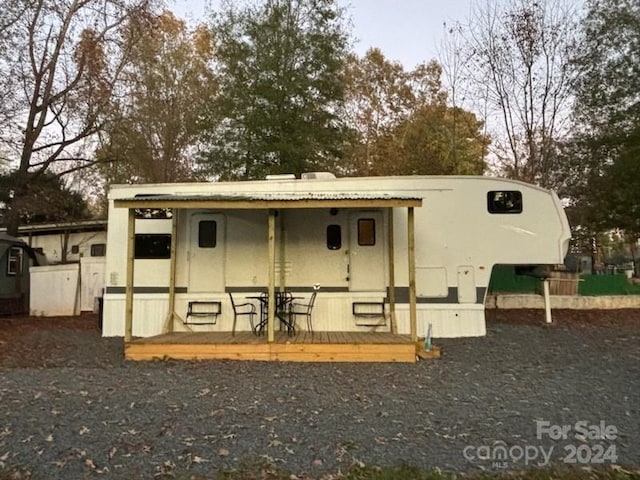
<point>145,290</point>
<point>402,296</point>
<point>402,293</point>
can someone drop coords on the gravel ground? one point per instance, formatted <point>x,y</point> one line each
<point>71,408</point>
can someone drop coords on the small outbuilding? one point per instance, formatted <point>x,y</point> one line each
<point>16,257</point>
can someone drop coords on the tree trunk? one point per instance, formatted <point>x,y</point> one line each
<point>12,219</point>
<point>634,254</point>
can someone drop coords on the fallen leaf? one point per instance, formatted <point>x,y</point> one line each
<point>203,392</point>
<point>223,452</point>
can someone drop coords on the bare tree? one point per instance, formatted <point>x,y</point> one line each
<point>61,62</point>
<point>455,57</point>
<point>520,63</point>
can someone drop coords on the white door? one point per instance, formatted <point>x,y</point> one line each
<point>366,252</point>
<point>91,281</point>
<point>466,284</point>
<point>206,253</point>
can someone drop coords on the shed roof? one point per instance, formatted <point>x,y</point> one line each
<point>272,200</point>
<point>8,239</point>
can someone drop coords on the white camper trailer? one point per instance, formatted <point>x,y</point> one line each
<point>397,254</point>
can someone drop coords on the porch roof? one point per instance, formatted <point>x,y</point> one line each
<point>272,200</point>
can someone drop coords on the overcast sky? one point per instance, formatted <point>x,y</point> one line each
<point>408,31</point>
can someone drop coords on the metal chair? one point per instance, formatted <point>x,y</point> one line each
<point>240,309</point>
<point>303,310</point>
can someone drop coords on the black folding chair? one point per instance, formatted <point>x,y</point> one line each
<point>303,310</point>
<point>242,309</point>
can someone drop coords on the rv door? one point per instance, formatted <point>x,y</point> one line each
<point>206,253</point>
<point>366,252</point>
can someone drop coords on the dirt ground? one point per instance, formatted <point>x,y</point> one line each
<point>58,341</point>
<point>38,341</point>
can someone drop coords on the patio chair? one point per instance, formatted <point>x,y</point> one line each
<point>242,309</point>
<point>303,310</point>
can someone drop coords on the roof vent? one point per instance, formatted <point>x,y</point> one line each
<point>318,176</point>
<point>283,176</point>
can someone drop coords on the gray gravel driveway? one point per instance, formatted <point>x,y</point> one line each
<point>494,403</point>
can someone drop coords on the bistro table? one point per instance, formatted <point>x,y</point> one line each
<point>283,303</point>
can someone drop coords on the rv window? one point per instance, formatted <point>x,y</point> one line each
<point>334,237</point>
<point>98,250</point>
<point>207,230</point>
<point>14,264</point>
<point>75,249</point>
<point>504,201</point>
<point>153,245</point>
<point>366,232</point>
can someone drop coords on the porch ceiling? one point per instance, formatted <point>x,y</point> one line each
<point>256,201</point>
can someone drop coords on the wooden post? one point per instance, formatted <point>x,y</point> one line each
<point>172,270</point>
<point>272,278</point>
<point>392,274</point>
<point>282,280</point>
<point>547,300</point>
<point>131,245</point>
<point>413,317</point>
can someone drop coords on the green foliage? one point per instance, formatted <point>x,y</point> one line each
<point>609,81</point>
<point>280,65</point>
<point>44,199</point>
<point>608,114</point>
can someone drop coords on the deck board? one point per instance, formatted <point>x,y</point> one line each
<point>302,347</point>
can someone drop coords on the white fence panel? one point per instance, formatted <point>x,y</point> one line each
<point>55,290</point>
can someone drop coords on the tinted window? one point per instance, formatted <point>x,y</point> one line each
<point>207,232</point>
<point>334,237</point>
<point>504,201</point>
<point>98,250</point>
<point>153,245</point>
<point>366,232</point>
<point>75,249</point>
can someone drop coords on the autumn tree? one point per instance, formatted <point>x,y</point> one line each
<point>280,65</point>
<point>403,122</point>
<point>520,61</point>
<point>151,134</point>
<point>60,62</point>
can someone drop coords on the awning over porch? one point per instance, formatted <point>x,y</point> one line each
<point>272,202</point>
<point>275,200</point>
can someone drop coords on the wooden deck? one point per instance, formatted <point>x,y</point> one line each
<point>303,347</point>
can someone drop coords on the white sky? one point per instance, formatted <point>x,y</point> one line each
<point>408,31</point>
